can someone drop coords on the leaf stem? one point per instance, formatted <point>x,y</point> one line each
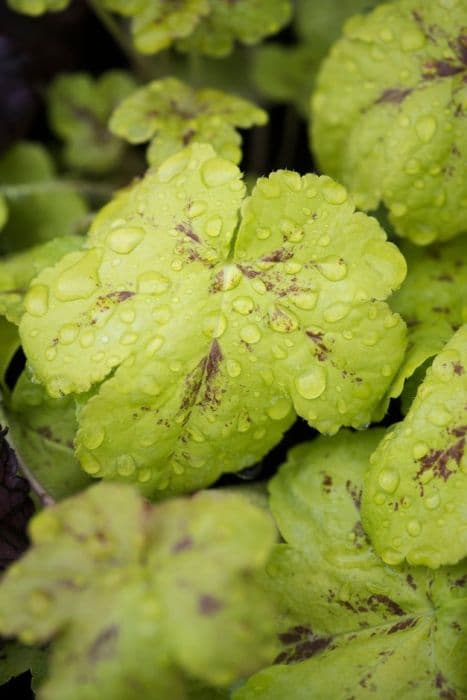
<point>44,496</point>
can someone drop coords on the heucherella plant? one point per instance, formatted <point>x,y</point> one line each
<point>389,115</point>
<point>148,600</point>
<point>351,626</point>
<point>204,322</point>
<point>414,504</point>
<point>173,115</point>
<point>79,108</point>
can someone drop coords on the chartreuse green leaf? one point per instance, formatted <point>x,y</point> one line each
<point>144,602</point>
<point>432,301</point>
<point>39,206</point>
<point>79,108</point>
<point>389,115</point>
<point>247,21</point>
<point>173,115</point>
<point>319,24</point>
<point>206,346</point>
<point>156,24</point>
<point>18,269</point>
<point>351,626</point>
<point>414,501</point>
<point>43,431</point>
<point>37,7</point>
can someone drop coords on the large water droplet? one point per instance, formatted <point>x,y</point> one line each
<point>154,345</point>
<point>80,280</point>
<point>425,128</point>
<point>250,334</point>
<point>92,437</point>
<point>87,339</point>
<point>128,338</point>
<point>214,325</point>
<point>173,166</point>
<point>379,498</point>
<point>125,465</point>
<point>231,277</point>
<point>420,450</point>
<point>124,240</point>
<point>414,528</point>
<point>388,479</point>
<point>280,409</point>
<point>196,208</point>
<point>282,320</point>
<point>336,312</point>
<point>333,269</point>
<point>36,301</point>
<point>312,384</point>
<point>333,192</point>
<point>432,502</point>
<point>392,557</point>
<point>213,226</point>
<point>68,333</point>
<point>216,172</point>
<point>90,464</point>
<point>233,368</point>
<point>305,300</point>
<point>439,416</point>
<point>152,282</point>
<point>243,305</point>
<point>269,188</point>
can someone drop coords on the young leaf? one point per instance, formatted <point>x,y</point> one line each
<point>414,499</point>
<point>388,115</point>
<point>209,352</point>
<point>352,626</point>
<point>17,271</point>
<point>43,430</point>
<point>146,600</point>
<point>15,506</point>
<point>39,207</point>
<point>247,21</point>
<point>79,108</point>
<point>37,7</point>
<point>173,115</point>
<point>156,24</point>
<point>431,301</point>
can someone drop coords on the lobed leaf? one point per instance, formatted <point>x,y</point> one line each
<point>352,626</point>
<point>388,115</point>
<point>156,24</point>
<point>174,115</point>
<point>414,506</point>
<point>247,21</point>
<point>79,107</point>
<point>127,632</point>
<point>206,353</point>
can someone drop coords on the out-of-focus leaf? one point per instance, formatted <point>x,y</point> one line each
<point>146,600</point>
<point>79,108</point>
<point>37,7</point>
<point>174,115</point>
<point>39,207</point>
<point>158,23</point>
<point>9,343</point>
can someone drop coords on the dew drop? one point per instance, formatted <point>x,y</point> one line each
<point>425,128</point>
<point>336,312</point>
<point>243,305</point>
<point>36,301</point>
<point>388,479</point>
<point>87,339</point>
<point>250,334</point>
<point>392,557</point>
<point>243,422</point>
<point>305,300</point>
<point>414,528</point>
<point>216,172</point>
<point>213,227</point>
<point>291,267</point>
<point>68,333</point>
<point>92,437</point>
<point>90,464</point>
<point>263,233</point>
<point>312,384</point>
<point>154,345</point>
<point>125,465</point>
<point>333,269</point>
<point>280,409</point>
<point>51,354</point>
<point>124,240</point>
<point>333,192</point>
<point>214,325</point>
<point>420,450</point>
<point>128,338</point>
<point>80,280</point>
<point>269,188</point>
<point>379,498</point>
<point>432,502</point>
<point>439,416</point>
<point>127,315</point>
<point>144,475</point>
<point>173,166</point>
<point>282,320</point>
<point>196,208</point>
<point>152,283</point>
<point>177,265</point>
<point>278,352</point>
<point>162,315</point>
<point>231,277</point>
<point>234,368</point>
<point>151,387</point>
